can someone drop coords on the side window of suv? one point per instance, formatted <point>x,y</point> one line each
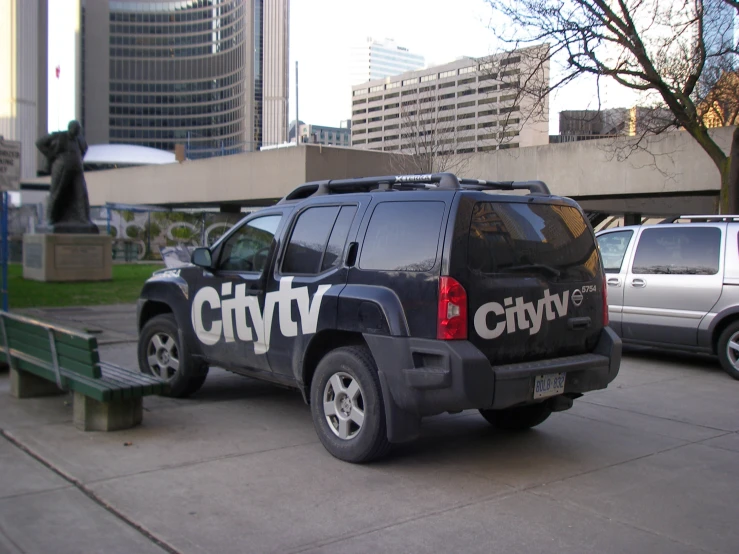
<point>317,240</point>
<point>678,251</point>
<point>402,236</point>
<point>247,248</point>
<point>613,249</point>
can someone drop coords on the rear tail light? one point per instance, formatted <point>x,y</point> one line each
<point>452,311</point>
<point>605,301</point>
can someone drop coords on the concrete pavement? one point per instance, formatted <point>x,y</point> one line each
<point>648,465</point>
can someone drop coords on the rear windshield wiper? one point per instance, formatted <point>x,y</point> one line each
<point>543,267</point>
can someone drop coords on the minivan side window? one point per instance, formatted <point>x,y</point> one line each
<point>402,236</point>
<point>613,249</point>
<point>678,251</point>
<point>317,240</point>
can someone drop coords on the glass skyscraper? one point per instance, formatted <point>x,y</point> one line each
<point>160,73</point>
<point>379,59</point>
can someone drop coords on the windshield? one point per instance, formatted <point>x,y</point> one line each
<point>542,239</point>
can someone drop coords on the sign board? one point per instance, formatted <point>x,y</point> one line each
<point>10,165</point>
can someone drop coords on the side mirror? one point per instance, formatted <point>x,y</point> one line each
<point>201,257</point>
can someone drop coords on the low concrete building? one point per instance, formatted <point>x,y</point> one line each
<point>677,176</point>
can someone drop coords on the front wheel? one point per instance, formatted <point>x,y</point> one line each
<point>728,350</point>
<point>519,418</point>
<point>346,405</point>
<point>161,355</point>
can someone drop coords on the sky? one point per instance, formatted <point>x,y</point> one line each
<point>322,31</point>
<point>62,55</point>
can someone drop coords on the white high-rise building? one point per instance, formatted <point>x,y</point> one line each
<point>380,59</point>
<point>23,77</point>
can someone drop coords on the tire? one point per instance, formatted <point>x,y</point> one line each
<point>518,419</point>
<point>728,356</point>
<point>161,355</point>
<point>346,379</point>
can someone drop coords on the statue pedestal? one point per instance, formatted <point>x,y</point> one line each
<point>67,257</point>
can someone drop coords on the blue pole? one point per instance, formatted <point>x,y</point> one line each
<point>4,232</point>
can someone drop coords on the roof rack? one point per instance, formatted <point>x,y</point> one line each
<point>434,181</point>
<point>702,218</point>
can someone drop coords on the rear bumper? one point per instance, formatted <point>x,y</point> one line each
<point>421,377</point>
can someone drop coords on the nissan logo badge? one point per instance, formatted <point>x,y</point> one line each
<point>577,297</point>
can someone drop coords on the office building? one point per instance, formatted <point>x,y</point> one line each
<point>470,105</point>
<point>210,74</point>
<point>322,134</point>
<point>719,22</point>
<point>23,110</point>
<point>376,59</point>
<point>575,125</point>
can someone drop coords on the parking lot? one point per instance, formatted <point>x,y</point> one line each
<point>648,465</point>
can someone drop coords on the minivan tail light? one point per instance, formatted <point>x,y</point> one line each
<point>605,301</point>
<point>452,310</point>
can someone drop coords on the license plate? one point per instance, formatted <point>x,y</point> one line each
<point>549,385</point>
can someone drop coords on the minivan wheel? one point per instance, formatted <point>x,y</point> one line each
<point>519,418</point>
<point>346,405</point>
<point>728,349</point>
<point>161,355</point>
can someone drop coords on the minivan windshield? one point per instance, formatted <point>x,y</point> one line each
<point>547,240</point>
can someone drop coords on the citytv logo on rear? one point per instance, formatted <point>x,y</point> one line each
<point>521,316</point>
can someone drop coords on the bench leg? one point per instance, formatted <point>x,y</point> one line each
<point>28,385</point>
<point>91,415</point>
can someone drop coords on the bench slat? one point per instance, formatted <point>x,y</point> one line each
<point>102,390</point>
<point>79,353</point>
<point>93,388</point>
<point>124,389</point>
<point>88,370</point>
<point>148,382</point>
<point>150,385</point>
<point>63,337</point>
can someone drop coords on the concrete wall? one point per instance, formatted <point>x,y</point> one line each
<point>584,170</point>
<point>264,176</point>
<point>337,163</point>
<point>253,175</point>
<point>592,168</point>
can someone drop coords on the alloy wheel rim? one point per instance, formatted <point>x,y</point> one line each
<point>732,350</point>
<point>343,405</point>
<point>163,356</point>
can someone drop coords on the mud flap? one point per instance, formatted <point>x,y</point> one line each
<point>402,426</point>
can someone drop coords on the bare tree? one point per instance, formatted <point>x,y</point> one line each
<point>675,52</point>
<point>433,136</point>
<point>442,124</point>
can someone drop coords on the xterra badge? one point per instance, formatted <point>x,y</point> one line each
<point>261,322</point>
<point>522,315</point>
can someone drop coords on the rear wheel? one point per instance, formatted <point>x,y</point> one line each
<point>161,355</point>
<point>519,418</point>
<point>728,350</point>
<point>347,408</point>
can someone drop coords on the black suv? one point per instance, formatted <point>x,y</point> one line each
<point>387,299</point>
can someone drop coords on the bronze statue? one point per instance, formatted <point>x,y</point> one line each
<point>68,207</point>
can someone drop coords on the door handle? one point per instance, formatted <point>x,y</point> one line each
<point>614,282</point>
<point>638,283</point>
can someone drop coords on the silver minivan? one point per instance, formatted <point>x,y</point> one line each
<point>676,285</point>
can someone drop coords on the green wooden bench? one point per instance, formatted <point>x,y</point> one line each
<point>46,359</point>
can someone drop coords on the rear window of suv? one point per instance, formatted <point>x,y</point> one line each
<point>402,236</point>
<point>539,239</point>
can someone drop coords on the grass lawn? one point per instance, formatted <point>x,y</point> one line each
<point>125,287</point>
